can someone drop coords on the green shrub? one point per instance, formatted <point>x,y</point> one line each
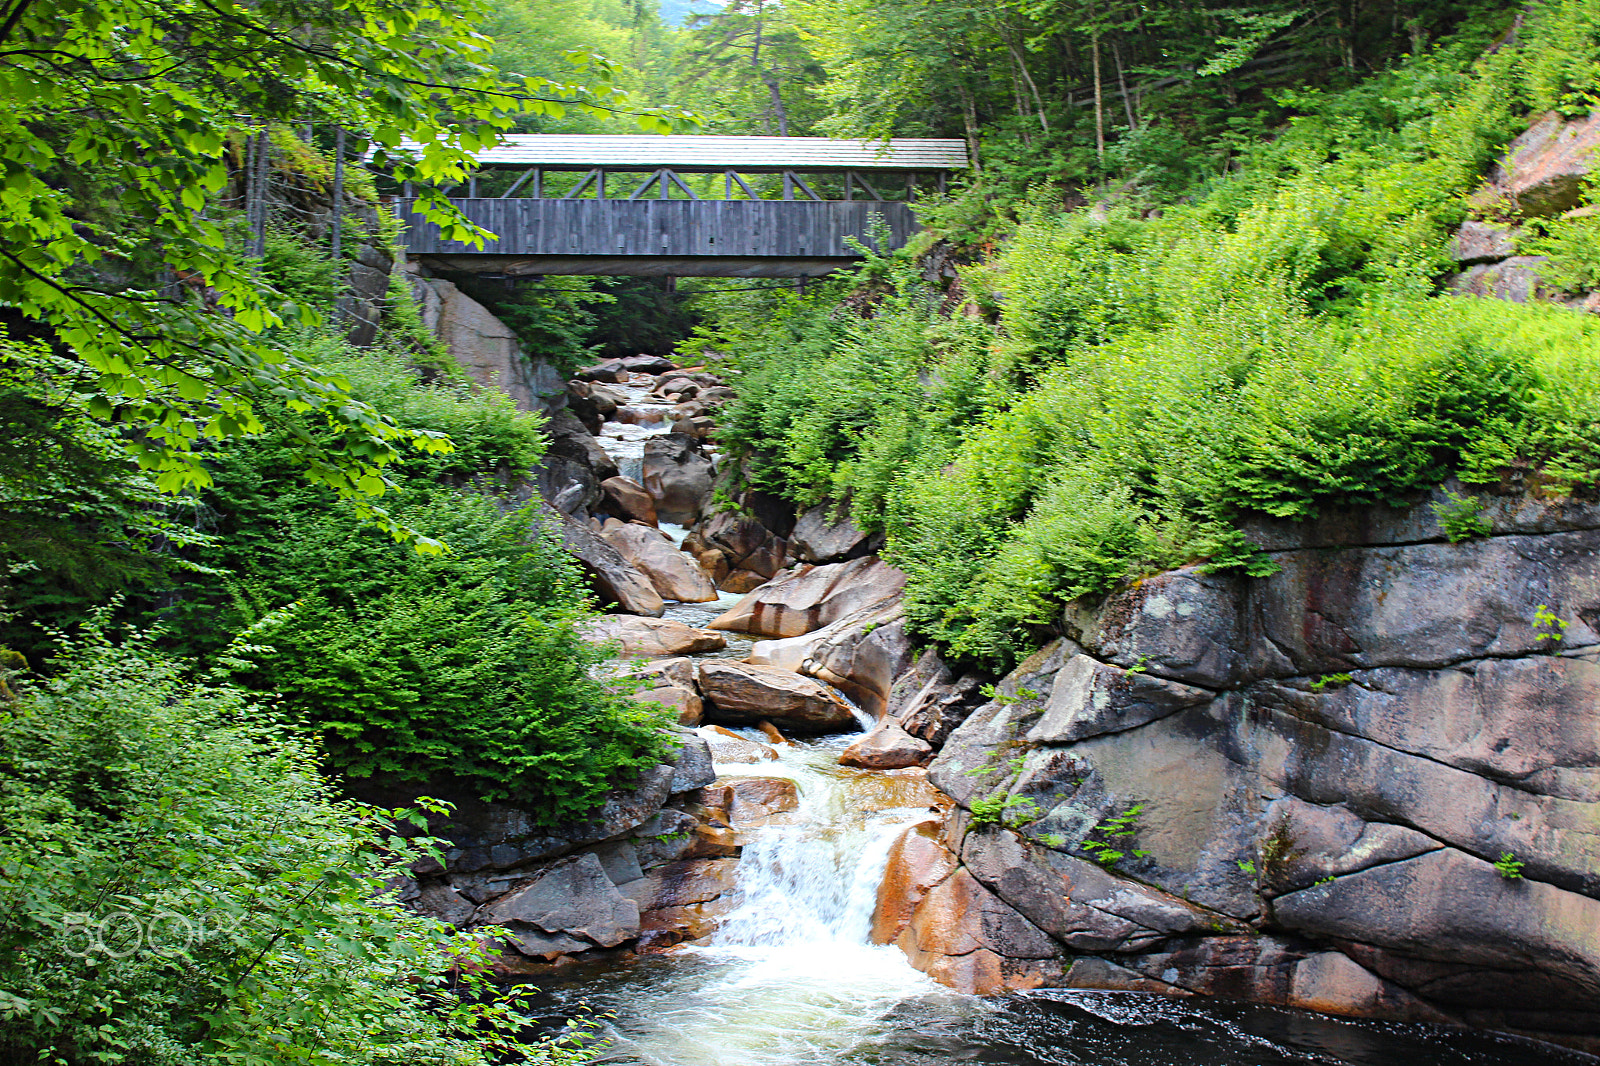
<point>466,665</point>
<point>178,885</point>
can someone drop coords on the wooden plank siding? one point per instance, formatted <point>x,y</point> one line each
<point>651,227</point>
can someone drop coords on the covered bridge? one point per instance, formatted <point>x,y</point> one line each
<point>685,206</point>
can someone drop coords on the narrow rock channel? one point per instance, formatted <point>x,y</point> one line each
<point>792,888</point>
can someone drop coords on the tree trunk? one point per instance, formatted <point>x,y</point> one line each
<point>1122,83</point>
<point>969,115</point>
<point>336,223</point>
<point>1099,107</point>
<point>777,103</point>
<point>256,209</point>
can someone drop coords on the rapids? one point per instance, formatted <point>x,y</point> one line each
<point>790,977</point>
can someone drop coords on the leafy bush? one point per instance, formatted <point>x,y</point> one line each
<point>465,664</point>
<point>177,884</point>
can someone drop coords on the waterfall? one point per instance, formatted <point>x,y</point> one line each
<point>790,976</point>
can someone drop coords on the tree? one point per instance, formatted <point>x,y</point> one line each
<point>120,124</point>
<point>754,54</point>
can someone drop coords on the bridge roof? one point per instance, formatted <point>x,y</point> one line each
<point>561,151</point>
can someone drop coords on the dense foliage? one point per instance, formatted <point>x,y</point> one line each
<point>178,884</point>
<point>467,665</point>
<point>1128,385</point>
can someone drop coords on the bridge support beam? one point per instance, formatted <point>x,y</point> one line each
<point>639,266</point>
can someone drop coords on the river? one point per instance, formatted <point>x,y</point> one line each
<point>791,978</point>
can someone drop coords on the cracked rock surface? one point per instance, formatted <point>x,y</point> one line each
<point>1296,788</point>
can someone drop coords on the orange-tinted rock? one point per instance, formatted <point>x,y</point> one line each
<point>963,935</point>
<point>714,563</point>
<point>713,842</point>
<point>662,927</point>
<point>749,800</point>
<point>741,581</point>
<point>887,747</point>
<point>728,746</point>
<point>630,499</point>
<point>917,862</point>
<point>652,637</point>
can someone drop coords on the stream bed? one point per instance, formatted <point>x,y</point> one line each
<point>790,978</point>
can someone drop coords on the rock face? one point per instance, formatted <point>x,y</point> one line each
<point>485,347</point>
<point>1295,788</point>
<point>559,891</point>
<point>675,574</point>
<point>810,597</point>
<point>742,694</point>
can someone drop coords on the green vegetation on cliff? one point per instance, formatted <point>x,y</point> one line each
<point>1125,384</point>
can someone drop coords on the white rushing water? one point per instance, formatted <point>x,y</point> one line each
<point>790,977</point>
<point>647,416</point>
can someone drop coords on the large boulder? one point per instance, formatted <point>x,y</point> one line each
<point>628,500</point>
<point>862,655</point>
<point>821,535</point>
<point>676,575</point>
<point>615,579</point>
<point>742,694</point>
<point>810,597</point>
<point>1544,170</point>
<point>671,683</point>
<point>743,802</point>
<point>653,637</point>
<point>678,476</point>
<point>887,747</point>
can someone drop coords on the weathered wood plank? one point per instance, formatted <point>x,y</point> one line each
<point>653,227</point>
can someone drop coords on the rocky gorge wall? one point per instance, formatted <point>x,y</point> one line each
<point>1295,789</point>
